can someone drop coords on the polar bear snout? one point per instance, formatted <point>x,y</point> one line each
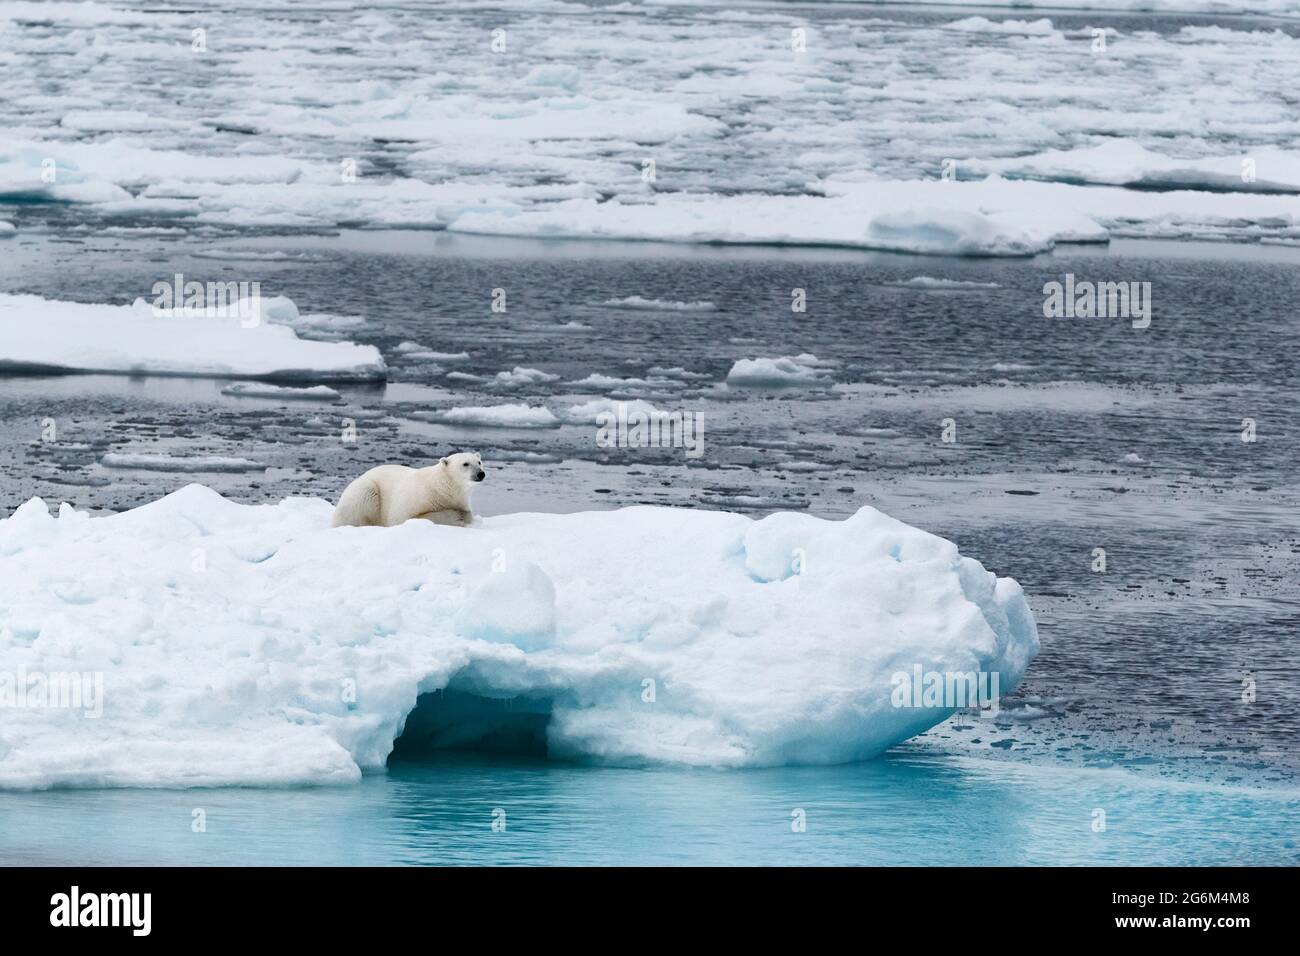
<point>466,467</point>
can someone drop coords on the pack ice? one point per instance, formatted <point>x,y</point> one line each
<point>256,645</point>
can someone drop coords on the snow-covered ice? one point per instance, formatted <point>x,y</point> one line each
<point>659,305</point>
<point>932,282</point>
<point>38,334</point>
<point>256,645</point>
<point>589,413</point>
<point>516,415</point>
<point>1126,163</point>
<point>180,463</point>
<point>314,393</point>
<point>787,371</point>
<point>519,376</point>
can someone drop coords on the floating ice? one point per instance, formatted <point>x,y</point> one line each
<point>256,645</point>
<point>931,282</point>
<point>1126,163</point>
<point>499,416</point>
<point>1264,7</point>
<point>788,371</point>
<point>1041,27</point>
<point>659,305</point>
<point>520,376</point>
<point>180,463</point>
<point>316,393</point>
<point>589,413</point>
<point>46,335</point>
<point>415,348</point>
<point>919,216</point>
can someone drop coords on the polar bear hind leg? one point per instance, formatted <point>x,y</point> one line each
<point>359,504</point>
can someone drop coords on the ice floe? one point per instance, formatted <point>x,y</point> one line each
<point>931,282</point>
<point>1126,163</point>
<point>788,371</point>
<point>180,463</point>
<point>314,393</point>
<point>520,376</point>
<point>659,305</point>
<point>499,416</point>
<point>45,335</point>
<point>256,645</point>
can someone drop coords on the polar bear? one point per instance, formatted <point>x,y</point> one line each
<point>391,494</point>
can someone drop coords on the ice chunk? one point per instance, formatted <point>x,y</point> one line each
<point>39,334</point>
<point>659,305</point>
<point>181,463</point>
<point>520,376</point>
<point>1123,162</point>
<point>1040,27</point>
<point>256,645</point>
<point>920,216</point>
<point>788,371</point>
<point>589,413</point>
<point>499,416</point>
<point>931,282</point>
<point>316,393</point>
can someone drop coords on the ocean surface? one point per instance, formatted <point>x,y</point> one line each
<point>1159,724</point>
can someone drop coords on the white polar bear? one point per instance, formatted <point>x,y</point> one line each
<point>391,494</point>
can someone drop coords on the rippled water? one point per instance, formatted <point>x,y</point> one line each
<point>894,811</point>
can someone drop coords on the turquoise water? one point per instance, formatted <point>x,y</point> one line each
<point>902,809</point>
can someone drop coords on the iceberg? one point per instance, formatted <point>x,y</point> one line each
<point>254,645</point>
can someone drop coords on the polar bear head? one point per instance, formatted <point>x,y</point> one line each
<point>464,468</point>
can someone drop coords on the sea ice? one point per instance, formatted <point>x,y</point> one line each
<point>846,142</point>
<point>38,334</point>
<point>499,416</point>
<point>180,463</point>
<point>256,645</point>
<point>659,305</point>
<point>788,371</point>
<point>314,393</point>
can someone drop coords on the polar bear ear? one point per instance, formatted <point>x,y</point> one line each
<point>442,461</point>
